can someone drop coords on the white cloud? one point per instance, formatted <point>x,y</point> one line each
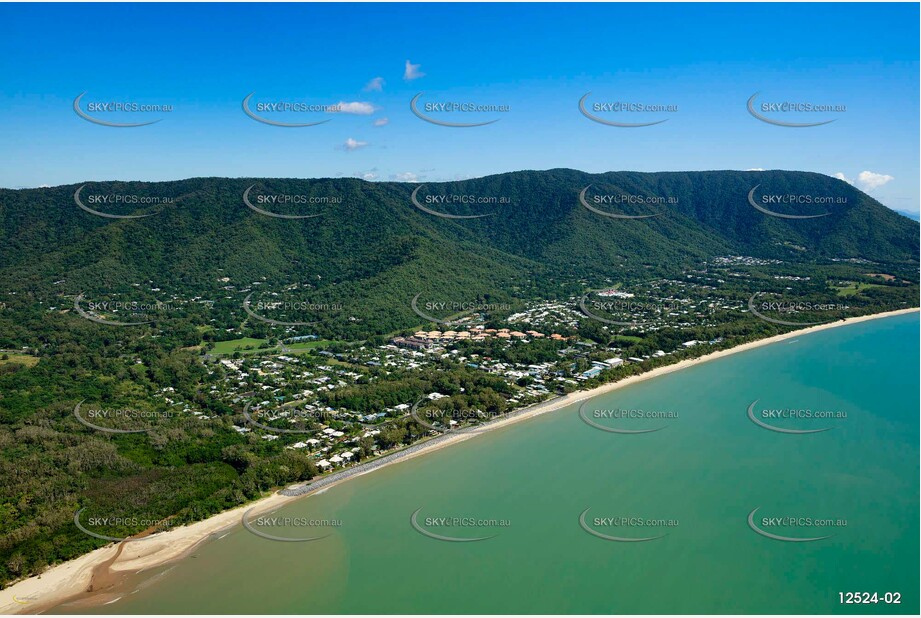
<point>368,176</point>
<point>412,71</point>
<point>376,84</point>
<point>405,177</point>
<point>355,107</point>
<point>868,181</point>
<point>381,122</point>
<point>755,169</point>
<point>353,144</point>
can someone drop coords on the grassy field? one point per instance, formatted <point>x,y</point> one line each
<point>237,345</point>
<point>856,288</point>
<point>23,359</point>
<point>249,345</point>
<point>309,345</point>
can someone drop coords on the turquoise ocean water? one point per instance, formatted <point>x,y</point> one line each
<point>695,481</point>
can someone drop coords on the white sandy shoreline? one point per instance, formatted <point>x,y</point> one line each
<point>72,578</point>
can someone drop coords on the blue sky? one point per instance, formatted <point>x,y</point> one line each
<point>539,60</point>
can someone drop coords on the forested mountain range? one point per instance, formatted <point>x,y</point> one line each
<point>350,274</point>
<point>369,248</point>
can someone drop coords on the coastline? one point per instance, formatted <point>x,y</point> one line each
<point>91,577</point>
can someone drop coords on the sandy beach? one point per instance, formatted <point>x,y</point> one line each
<point>97,574</point>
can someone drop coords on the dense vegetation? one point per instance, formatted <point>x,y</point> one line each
<point>351,273</point>
<point>361,261</point>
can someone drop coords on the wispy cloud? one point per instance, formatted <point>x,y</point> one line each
<point>355,107</point>
<point>412,71</point>
<point>871,180</point>
<point>353,144</point>
<point>379,122</point>
<point>841,176</point>
<point>755,169</point>
<point>866,180</point>
<point>375,85</point>
<point>405,177</point>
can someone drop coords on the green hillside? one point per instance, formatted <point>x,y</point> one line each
<point>184,317</point>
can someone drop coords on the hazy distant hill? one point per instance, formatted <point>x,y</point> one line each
<point>911,215</point>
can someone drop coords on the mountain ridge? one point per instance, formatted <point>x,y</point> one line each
<point>374,247</point>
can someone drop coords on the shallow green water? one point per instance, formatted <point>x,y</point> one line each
<point>707,469</point>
